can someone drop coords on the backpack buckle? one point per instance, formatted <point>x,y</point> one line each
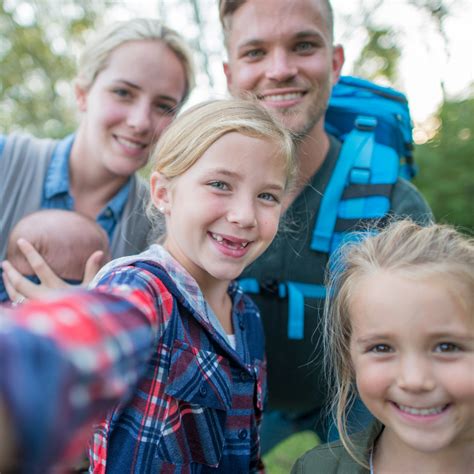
<point>365,124</point>
<point>270,286</point>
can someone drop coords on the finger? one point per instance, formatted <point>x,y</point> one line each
<point>10,289</point>
<point>93,264</point>
<point>16,284</point>
<point>39,266</point>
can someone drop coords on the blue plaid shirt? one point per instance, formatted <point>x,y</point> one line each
<point>190,403</point>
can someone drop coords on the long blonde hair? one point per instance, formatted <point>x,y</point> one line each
<point>402,246</point>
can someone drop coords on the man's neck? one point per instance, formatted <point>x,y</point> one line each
<point>310,155</point>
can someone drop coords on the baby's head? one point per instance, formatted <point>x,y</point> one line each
<point>399,331</point>
<point>65,239</point>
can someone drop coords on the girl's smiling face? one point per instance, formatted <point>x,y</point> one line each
<point>223,212</point>
<point>412,349</point>
<point>129,105</point>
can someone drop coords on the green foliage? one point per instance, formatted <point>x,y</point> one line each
<point>379,56</point>
<point>446,175</point>
<point>282,457</point>
<point>37,60</point>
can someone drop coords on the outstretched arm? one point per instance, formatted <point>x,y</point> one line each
<point>64,363</point>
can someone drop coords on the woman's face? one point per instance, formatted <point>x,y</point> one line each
<point>132,100</point>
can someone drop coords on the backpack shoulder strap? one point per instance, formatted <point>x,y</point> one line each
<point>354,162</point>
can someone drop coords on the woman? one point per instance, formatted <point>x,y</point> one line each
<point>131,81</point>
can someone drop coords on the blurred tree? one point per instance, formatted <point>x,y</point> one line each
<point>37,52</point>
<point>378,59</point>
<point>380,53</point>
<point>437,12</point>
<point>202,32</point>
<point>446,175</point>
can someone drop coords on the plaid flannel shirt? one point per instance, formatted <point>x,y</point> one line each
<point>189,402</point>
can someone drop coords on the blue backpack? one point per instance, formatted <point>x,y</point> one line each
<point>374,124</point>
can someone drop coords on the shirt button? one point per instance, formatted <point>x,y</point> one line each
<point>243,434</point>
<point>241,325</point>
<point>203,390</point>
<point>244,377</point>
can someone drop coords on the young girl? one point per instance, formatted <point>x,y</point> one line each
<point>400,331</point>
<point>132,79</point>
<point>167,332</point>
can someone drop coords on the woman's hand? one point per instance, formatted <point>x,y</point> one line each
<point>20,288</point>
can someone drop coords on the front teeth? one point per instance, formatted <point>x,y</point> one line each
<point>130,144</point>
<point>219,238</point>
<point>422,411</point>
<point>279,97</point>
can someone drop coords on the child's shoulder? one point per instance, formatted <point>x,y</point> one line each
<point>329,458</point>
<point>333,458</point>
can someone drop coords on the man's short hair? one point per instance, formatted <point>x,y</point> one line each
<point>228,7</point>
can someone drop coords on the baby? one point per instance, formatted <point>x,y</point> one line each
<point>65,239</point>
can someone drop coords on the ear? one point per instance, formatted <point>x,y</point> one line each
<point>81,97</point>
<point>337,62</point>
<point>160,191</point>
<point>228,74</point>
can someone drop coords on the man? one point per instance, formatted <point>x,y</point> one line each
<point>281,52</point>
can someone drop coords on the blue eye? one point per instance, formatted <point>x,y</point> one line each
<point>305,47</point>
<point>219,185</point>
<point>269,197</point>
<point>166,108</point>
<point>447,347</point>
<point>254,54</point>
<point>120,92</point>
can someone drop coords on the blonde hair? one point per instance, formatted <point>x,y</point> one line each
<point>403,246</point>
<point>95,55</point>
<point>194,131</point>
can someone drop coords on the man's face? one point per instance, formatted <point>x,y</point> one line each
<point>281,51</point>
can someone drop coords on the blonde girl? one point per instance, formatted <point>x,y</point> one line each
<point>132,79</point>
<point>400,334</point>
<point>168,332</point>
